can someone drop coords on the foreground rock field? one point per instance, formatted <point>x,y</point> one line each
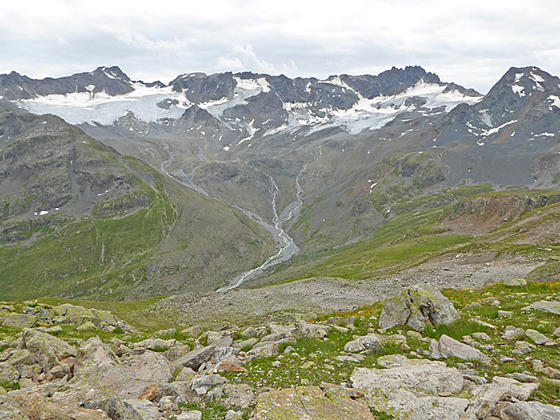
<point>489,353</point>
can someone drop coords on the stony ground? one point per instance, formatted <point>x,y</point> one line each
<point>324,295</point>
<point>480,353</point>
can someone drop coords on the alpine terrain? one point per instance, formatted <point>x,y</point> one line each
<point>243,245</point>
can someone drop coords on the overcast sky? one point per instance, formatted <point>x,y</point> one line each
<point>469,42</point>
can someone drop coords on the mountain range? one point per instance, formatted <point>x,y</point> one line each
<point>138,189</point>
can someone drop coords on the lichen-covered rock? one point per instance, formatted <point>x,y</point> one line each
<point>530,410</point>
<point>46,349</point>
<point>417,307</point>
<point>307,329</point>
<point>413,389</point>
<point>8,373</point>
<point>330,402</point>
<point>449,347</point>
<point>487,396</point>
<point>370,342</point>
<point>550,306</point>
<point>515,282</point>
<point>537,337</point>
<point>19,320</point>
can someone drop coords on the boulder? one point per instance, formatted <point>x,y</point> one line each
<point>331,402</point>
<point>190,415</point>
<point>196,357</point>
<point>449,347</point>
<point>513,333</point>
<point>486,397</point>
<point>414,389</point>
<point>8,373</point>
<point>19,320</point>
<point>87,326</point>
<point>307,329</point>
<point>369,343</point>
<point>237,395</point>
<point>537,337</point>
<point>417,307</point>
<point>127,379</point>
<point>46,349</point>
<point>203,383</point>
<point>515,282</point>
<point>531,410</point>
<point>550,306</point>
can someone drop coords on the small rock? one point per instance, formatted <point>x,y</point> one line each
<point>515,282</point>
<point>190,415</point>
<point>513,333</point>
<point>537,337</point>
<point>482,336</point>
<point>370,342</point>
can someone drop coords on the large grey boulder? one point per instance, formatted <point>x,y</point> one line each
<point>532,410</point>
<point>550,306</point>
<point>486,397</point>
<point>413,389</point>
<point>537,337</point>
<point>307,329</point>
<point>127,379</point>
<point>46,349</point>
<point>417,307</point>
<point>331,402</point>
<point>449,347</point>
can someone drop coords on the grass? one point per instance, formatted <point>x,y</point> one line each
<point>83,257</point>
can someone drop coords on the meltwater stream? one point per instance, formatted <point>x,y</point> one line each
<point>286,245</point>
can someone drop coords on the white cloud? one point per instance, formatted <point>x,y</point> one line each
<point>471,44</point>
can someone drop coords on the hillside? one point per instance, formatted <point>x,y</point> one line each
<point>80,219</point>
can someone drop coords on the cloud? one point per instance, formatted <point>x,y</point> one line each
<point>471,44</point>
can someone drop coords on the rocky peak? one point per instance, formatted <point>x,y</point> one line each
<point>113,72</point>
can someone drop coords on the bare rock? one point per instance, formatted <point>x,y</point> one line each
<point>417,307</point>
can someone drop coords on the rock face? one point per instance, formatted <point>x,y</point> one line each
<point>311,402</point>
<point>417,307</point>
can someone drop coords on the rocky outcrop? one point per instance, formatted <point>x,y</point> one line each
<point>416,389</point>
<point>531,411</point>
<point>417,307</point>
<point>331,402</point>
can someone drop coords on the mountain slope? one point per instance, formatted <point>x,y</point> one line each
<point>78,219</point>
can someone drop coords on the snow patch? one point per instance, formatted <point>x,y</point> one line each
<point>520,90</point>
<point>84,107</point>
<point>555,101</point>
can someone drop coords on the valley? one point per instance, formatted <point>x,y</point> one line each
<point>234,238</point>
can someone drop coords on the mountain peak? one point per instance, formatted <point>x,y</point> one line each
<point>113,72</point>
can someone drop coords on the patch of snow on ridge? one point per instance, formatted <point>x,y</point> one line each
<point>518,89</point>
<point>495,130</point>
<point>375,113</point>
<point>86,107</point>
<point>555,101</point>
<point>244,88</point>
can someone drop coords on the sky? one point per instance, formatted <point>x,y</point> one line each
<point>471,43</point>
